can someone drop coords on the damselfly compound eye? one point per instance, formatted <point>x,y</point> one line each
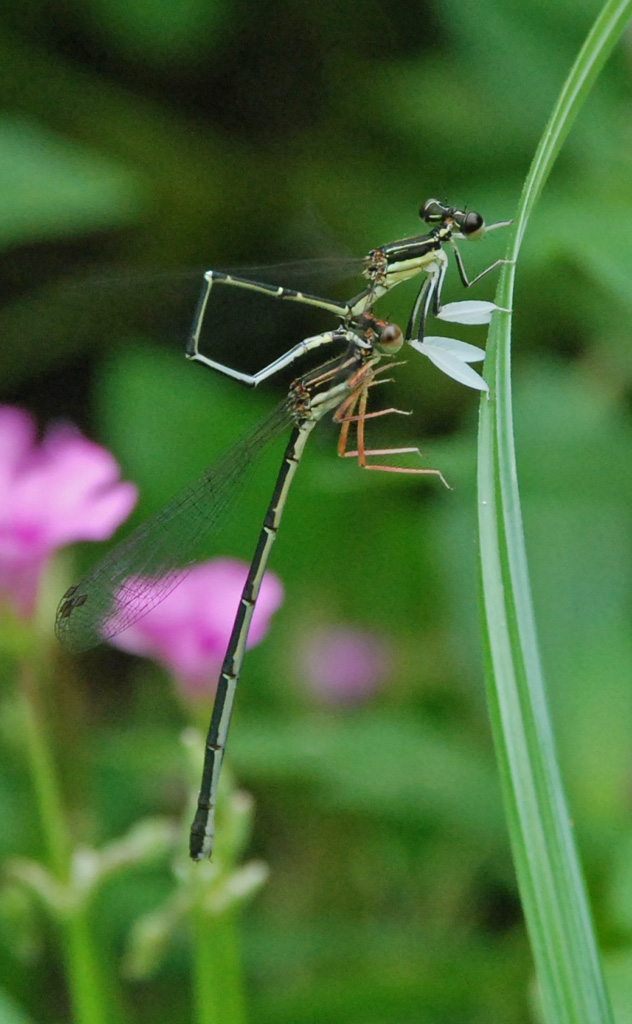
<point>472,224</point>
<point>433,211</point>
<point>391,338</point>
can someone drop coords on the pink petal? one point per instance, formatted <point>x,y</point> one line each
<point>20,582</point>
<point>188,632</point>
<point>77,474</point>
<point>17,436</point>
<point>61,490</point>
<point>345,665</point>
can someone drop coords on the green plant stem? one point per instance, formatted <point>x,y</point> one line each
<point>81,956</point>
<point>218,982</point>
<point>570,982</point>
<point>88,993</point>
<point>44,776</point>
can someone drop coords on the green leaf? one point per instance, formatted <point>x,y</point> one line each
<point>570,981</point>
<point>53,188</point>
<point>10,1012</point>
<point>173,31</point>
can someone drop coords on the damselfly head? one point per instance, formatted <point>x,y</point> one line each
<point>468,223</point>
<point>471,225</point>
<point>389,337</point>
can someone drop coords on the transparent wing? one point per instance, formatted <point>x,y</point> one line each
<point>138,573</point>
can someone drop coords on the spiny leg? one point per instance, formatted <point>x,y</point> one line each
<point>350,403</point>
<point>360,400</point>
<point>361,454</point>
<point>373,415</point>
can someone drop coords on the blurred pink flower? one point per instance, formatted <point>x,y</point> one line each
<point>54,492</point>
<point>345,665</point>
<point>188,632</point>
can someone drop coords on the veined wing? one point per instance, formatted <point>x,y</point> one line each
<point>139,572</point>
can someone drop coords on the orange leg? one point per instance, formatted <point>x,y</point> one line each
<point>405,469</point>
<point>362,451</point>
<point>372,415</point>
<point>383,451</point>
<point>349,403</point>
<point>394,469</point>
<point>361,454</point>
<point>346,414</point>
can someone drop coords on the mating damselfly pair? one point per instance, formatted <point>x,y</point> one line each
<point>140,571</point>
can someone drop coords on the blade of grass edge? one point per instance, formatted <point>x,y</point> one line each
<point>570,982</point>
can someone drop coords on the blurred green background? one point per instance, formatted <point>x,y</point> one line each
<point>154,135</point>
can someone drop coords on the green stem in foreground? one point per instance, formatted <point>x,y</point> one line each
<point>217,980</point>
<point>82,957</point>
<point>88,994</point>
<point>43,775</point>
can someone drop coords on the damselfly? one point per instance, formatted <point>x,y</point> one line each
<point>384,268</point>
<point>140,571</point>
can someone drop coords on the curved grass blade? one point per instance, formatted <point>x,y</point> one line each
<point>571,985</point>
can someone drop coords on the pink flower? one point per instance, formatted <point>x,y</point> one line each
<point>52,493</point>
<point>345,665</point>
<point>188,632</point>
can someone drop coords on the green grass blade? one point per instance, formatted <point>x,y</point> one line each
<point>569,976</point>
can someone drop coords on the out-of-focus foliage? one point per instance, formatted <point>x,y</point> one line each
<point>153,136</point>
